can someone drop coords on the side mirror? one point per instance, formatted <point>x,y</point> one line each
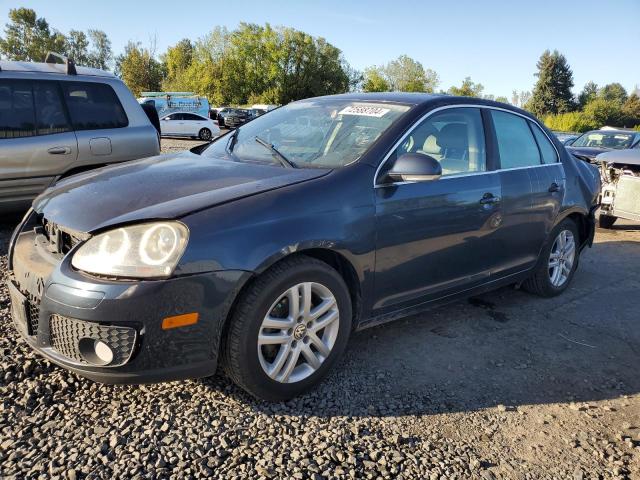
<point>415,167</point>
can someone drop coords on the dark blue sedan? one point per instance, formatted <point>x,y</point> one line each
<point>263,250</point>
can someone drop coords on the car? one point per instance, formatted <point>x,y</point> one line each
<point>264,253</point>
<point>58,119</point>
<point>591,144</point>
<point>620,198</point>
<point>188,125</point>
<point>232,117</point>
<point>566,138</point>
<point>255,112</point>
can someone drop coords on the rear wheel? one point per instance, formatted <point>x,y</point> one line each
<point>288,329</point>
<point>606,221</point>
<point>204,134</point>
<point>558,262</point>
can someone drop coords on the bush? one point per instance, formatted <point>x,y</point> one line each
<point>570,122</point>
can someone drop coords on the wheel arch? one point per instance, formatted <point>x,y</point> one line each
<point>584,222</point>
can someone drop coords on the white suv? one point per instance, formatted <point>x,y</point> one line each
<point>57,119</point>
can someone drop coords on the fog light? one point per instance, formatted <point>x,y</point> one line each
<point>95,352</point>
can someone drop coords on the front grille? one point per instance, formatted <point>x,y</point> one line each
<point>66,334</point>
<point>32,310</point>
<point>59,240</point>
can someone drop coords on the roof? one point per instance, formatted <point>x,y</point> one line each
<point>55,68</point>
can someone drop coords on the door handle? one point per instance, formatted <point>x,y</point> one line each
<point>554,187</point>
<point>59,150</point>
<point>489,199</point>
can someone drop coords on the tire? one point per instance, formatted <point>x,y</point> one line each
<point>245,361</point>
<point>543,282</point>
<point>606,221</point>
<point>204,134</point>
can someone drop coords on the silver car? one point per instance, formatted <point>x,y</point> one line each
<point>57,119</point>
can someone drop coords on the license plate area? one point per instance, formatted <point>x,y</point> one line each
<point>19,310</point>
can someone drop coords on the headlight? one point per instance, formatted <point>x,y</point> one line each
<point>150,250</point>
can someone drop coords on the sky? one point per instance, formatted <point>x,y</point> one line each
<point>496,43</point>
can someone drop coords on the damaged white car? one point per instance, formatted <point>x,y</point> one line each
<point>620,197</point>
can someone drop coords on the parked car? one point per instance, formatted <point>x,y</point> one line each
<point>232,117</point>
<point>188,125</point>
<point>57,120</point>
<point>591,144</point>
<point>255,112</point>
<point>566,138</point>
<point>620,172</point>
<point>264,253</point>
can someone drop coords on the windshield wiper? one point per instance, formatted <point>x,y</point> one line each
<point>281,158</point>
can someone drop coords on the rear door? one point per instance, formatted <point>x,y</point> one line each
<point>99,121</point>
<point>193,124</point>
<point>531,191</point>
<point>36,139</point>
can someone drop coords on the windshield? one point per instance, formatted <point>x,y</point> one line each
<point>312,133</point>
<point>602,139</point>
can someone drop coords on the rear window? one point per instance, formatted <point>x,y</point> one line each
<point>93,106</point>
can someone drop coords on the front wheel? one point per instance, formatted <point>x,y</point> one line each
<point>558,262</point>
<point>288,329</point>
<point>606,221</point>
<point>205,134</point>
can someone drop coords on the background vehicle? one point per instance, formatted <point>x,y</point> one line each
<point>232,117</point>
<point>566,138</point>
<point>620,172</point>
<point>256,112</point>
<point>272,249</point>
<point>171,102</point>
<point>591,144</point>
<point>59,119</point>
<point>188,125</point>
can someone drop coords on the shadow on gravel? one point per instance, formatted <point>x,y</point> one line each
<point>506,347</point>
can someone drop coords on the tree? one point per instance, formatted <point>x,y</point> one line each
<point>631,110</point>
<point>603,112</point>
<point>589,92</point>
<point>614,92</point>
<point>374,80</point>
<point>520,99</point>
<point>468,89</point>
<point>100,55</point>
<point>28,37</point>
<point>177,61</point>
<point>552,92</point>
<point>502,99</point>
<point>139,69</point>
<point>76,47</point>
<point>405,74</point>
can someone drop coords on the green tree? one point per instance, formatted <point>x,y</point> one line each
<point>177,61</point>
<point>76,47</point>
<point>631,110</point>
<point>28,37</point>
<point>552,92</point>
<point>467,89</point>
<point>404,74</point>
<point>589,92</point>
<point>374,80</point>
<point>603,112</point>
<point>502,99</point>
<point>100,55</point>
<point>139,70</point>
<point>614,92</point>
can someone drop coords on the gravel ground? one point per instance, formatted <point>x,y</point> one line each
<point>504,386</point>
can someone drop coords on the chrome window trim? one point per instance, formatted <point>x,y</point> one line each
<point>455,175</point>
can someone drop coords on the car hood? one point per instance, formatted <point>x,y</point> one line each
<point>621,157</point>
<point>587,152</point>
<point>166,186</point>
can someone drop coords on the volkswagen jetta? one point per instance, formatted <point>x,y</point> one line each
<point>264,250</point>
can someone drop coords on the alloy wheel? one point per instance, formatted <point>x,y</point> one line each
<point>561,258</point>
<point>298,332</point>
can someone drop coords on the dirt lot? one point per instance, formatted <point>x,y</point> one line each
<point>506,385</point>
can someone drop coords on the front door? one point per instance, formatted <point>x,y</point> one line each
<point>436,238</point>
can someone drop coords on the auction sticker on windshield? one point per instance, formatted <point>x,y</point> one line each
<point>364,111</point>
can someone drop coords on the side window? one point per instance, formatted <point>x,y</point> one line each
<point>17,115</point>
<point>174,116</point>
<point>93,106</point>
<point>549,154</point>
<point>192,117</point>
<point>454,137</point>
<point>516,145</point>
<point>50,114</point>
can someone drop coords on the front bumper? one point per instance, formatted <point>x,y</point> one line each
<point>54,307</point>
